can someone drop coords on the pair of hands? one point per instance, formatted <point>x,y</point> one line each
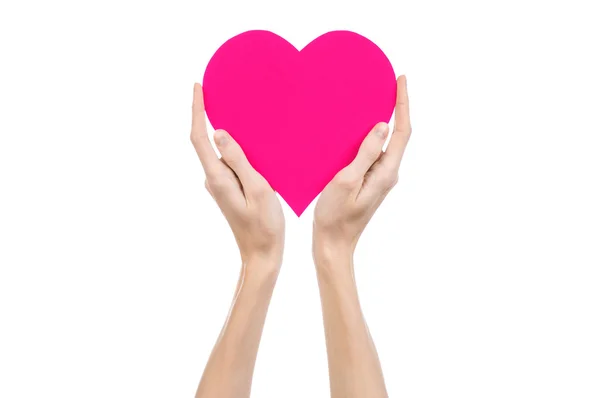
<point>343,210</point>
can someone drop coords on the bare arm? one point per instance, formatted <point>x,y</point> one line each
<point>256,219</point>
<point>228,372</point>
<point>354,367</point>
<point>342,212</point>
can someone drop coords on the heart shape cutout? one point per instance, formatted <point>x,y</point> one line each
<point>299,116</point>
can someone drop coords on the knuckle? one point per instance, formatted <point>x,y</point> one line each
<point>388,180</point>
<point>196,137</point>
<point>216,182</point>
<point>346,180</point>
<point>258,191</point>
<point>259,187</point>
<point>373,152</point>
<point>230,157</point>
<point>234,161</point>
<point>404,131</point>
<point>372,144</point>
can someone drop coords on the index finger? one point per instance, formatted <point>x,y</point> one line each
<point>199,135</point>
<point>402,128</point>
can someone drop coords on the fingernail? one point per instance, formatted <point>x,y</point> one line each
<point>381,131</point>
<point>221,138</point>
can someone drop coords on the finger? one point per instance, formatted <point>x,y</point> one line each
<point>199,135</point>
<point>377,184</point>
<point>402,129</point>
<point>234,157</point>
<point>369,150</point>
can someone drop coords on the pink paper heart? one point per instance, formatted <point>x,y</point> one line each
<point>299,116</point>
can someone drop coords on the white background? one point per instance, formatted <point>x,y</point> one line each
<point>479,276</point>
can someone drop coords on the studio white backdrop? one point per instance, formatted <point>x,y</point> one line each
<point>479,275</point>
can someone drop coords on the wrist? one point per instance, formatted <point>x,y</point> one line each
<point>332,255</point>
<point>334,266</point>
<point>332,239</point>
<point>257,281</point>
<point>262,266</point>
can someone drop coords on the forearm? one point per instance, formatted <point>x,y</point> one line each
<point>354,368</point>
<point>229,370</point>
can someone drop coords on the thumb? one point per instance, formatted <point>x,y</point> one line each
<point>370,149</point>
<point>235,158</point>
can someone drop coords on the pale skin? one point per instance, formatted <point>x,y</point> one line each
<point>255,216</point>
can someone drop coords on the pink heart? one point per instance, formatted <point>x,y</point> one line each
<point>299,116</point>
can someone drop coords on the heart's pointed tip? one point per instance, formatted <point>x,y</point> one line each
<point>298,212</point>
<point>298,209</point>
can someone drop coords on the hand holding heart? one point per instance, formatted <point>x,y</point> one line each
<point>344,208</point>
<point>349,201</point>
<point>299,115</point>
<point>243,195</point>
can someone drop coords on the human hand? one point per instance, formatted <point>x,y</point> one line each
<point>243,195</point>
<point>351,198</point>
